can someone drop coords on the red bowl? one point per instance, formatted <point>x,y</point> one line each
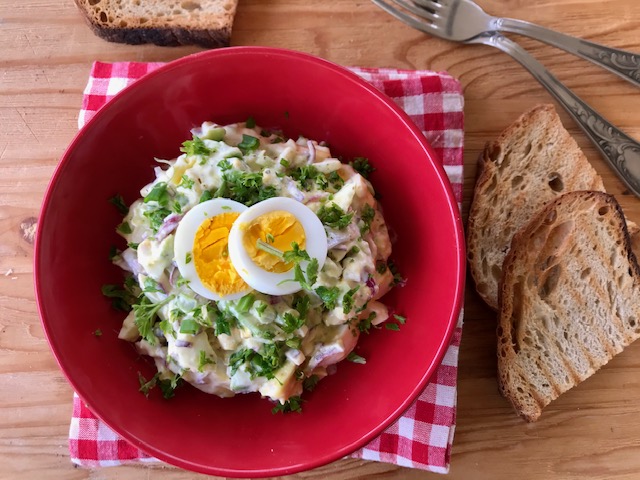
<point>114,153</point>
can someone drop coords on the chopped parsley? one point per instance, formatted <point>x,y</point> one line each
<point>366,323</point>
<point>125,228</point>
<point>167,385</point>
<point>189,326</point>
<point>248,144</point>
<point>294,404</point>
<point>328,295</point>
<point>121,298</point>
<point>355,358</point>
<point>397,278</point>
<point>301,304</point>
<point>150,286</point>
<point>310,383</point>
<point>118,202</point>
<point>159,193</point>
<point>224,164</point>
<point>348,300</point>
<point>333,216</point>
<point>204,360</point>
<point>250,123</point>
<point>381,267</point>
<point>186,182</point>
<point>188,257</point>
<point>145,317</point>
<point>156,217</point>
<point>195,147</point>
<point>400,319</point>
<point>362,166</point>
<point>206,195</point>
<point>147,385</point>
<point>392,326</point>
<point>243,187</point>
<point>295,255</point>
<point>291,322</point>
<point>97,333</point>
<point>368,213</point>
<point>258,364</point>
<point>307,175</point>
<point>222,324</point>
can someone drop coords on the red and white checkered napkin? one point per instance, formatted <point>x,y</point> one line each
<point>422,436</point>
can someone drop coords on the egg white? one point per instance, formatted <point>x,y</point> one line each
<point>273,283</point>
<point>185,237</point>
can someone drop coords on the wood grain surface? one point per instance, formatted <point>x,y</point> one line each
<point>46,52</point>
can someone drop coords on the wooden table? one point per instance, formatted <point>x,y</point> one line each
<point>45,56</point>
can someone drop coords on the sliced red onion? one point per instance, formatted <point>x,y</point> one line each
<point>128,260</point>
<point>317,196</point>
<point>183,344</point>
<point>174,274</point>
<point>312,152</point>
<point>295,193</point>
<point>274,299</point>
<point>371,282</point>
<point>168,226</point>
<point>338,237</point>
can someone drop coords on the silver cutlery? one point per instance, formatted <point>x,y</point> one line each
<point>441,19</point>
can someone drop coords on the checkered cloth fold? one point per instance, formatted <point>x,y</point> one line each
<point>422,436</point>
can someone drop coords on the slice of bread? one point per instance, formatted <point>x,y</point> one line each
<point>532,162</point>
<point>569,299</point>
<point>206,23</point>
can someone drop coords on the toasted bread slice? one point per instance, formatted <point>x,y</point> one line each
<point>569,299</point>
<point>206,23</point>
<point>532,162</point>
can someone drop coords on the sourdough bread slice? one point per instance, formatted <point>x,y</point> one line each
<point>569,299</point>
<point>532,162</point>
<point>206,23</point>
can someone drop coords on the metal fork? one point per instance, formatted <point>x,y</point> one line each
<point>439,19</point>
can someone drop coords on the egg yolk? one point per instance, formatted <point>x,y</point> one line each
<point>279,229</point>
<point>211,256</point>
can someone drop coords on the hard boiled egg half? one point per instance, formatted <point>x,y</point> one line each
<point>267,229</point>
<point>201,250</point>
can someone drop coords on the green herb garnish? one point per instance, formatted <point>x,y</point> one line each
<point>118,202</point>
<point>121,298</point>
<point>328,295</point>
<point>362,166</point>
<point>245,303</point>
<point>355,358</point>
<point>204,360</point>
<point>145,316</point>
<point>125,228</point>
<point>159,193</point>
<point>189,326</point>
<point>186,182</point>
<point>206,195</point>
<point>333,216</point>
<point>195,147</point>
<point>248,144</point>
<point>294,404</point>
<point>368,213</point>
<point>291,322</point>
<point>347,299</point>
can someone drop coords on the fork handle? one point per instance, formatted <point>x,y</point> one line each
<point>624,64</point>
<point>618,149</point>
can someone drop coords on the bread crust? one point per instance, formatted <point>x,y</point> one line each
<point>533,161</point>
<point>164,37</point>
<point>207,23</point>
<point>546,344</point>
